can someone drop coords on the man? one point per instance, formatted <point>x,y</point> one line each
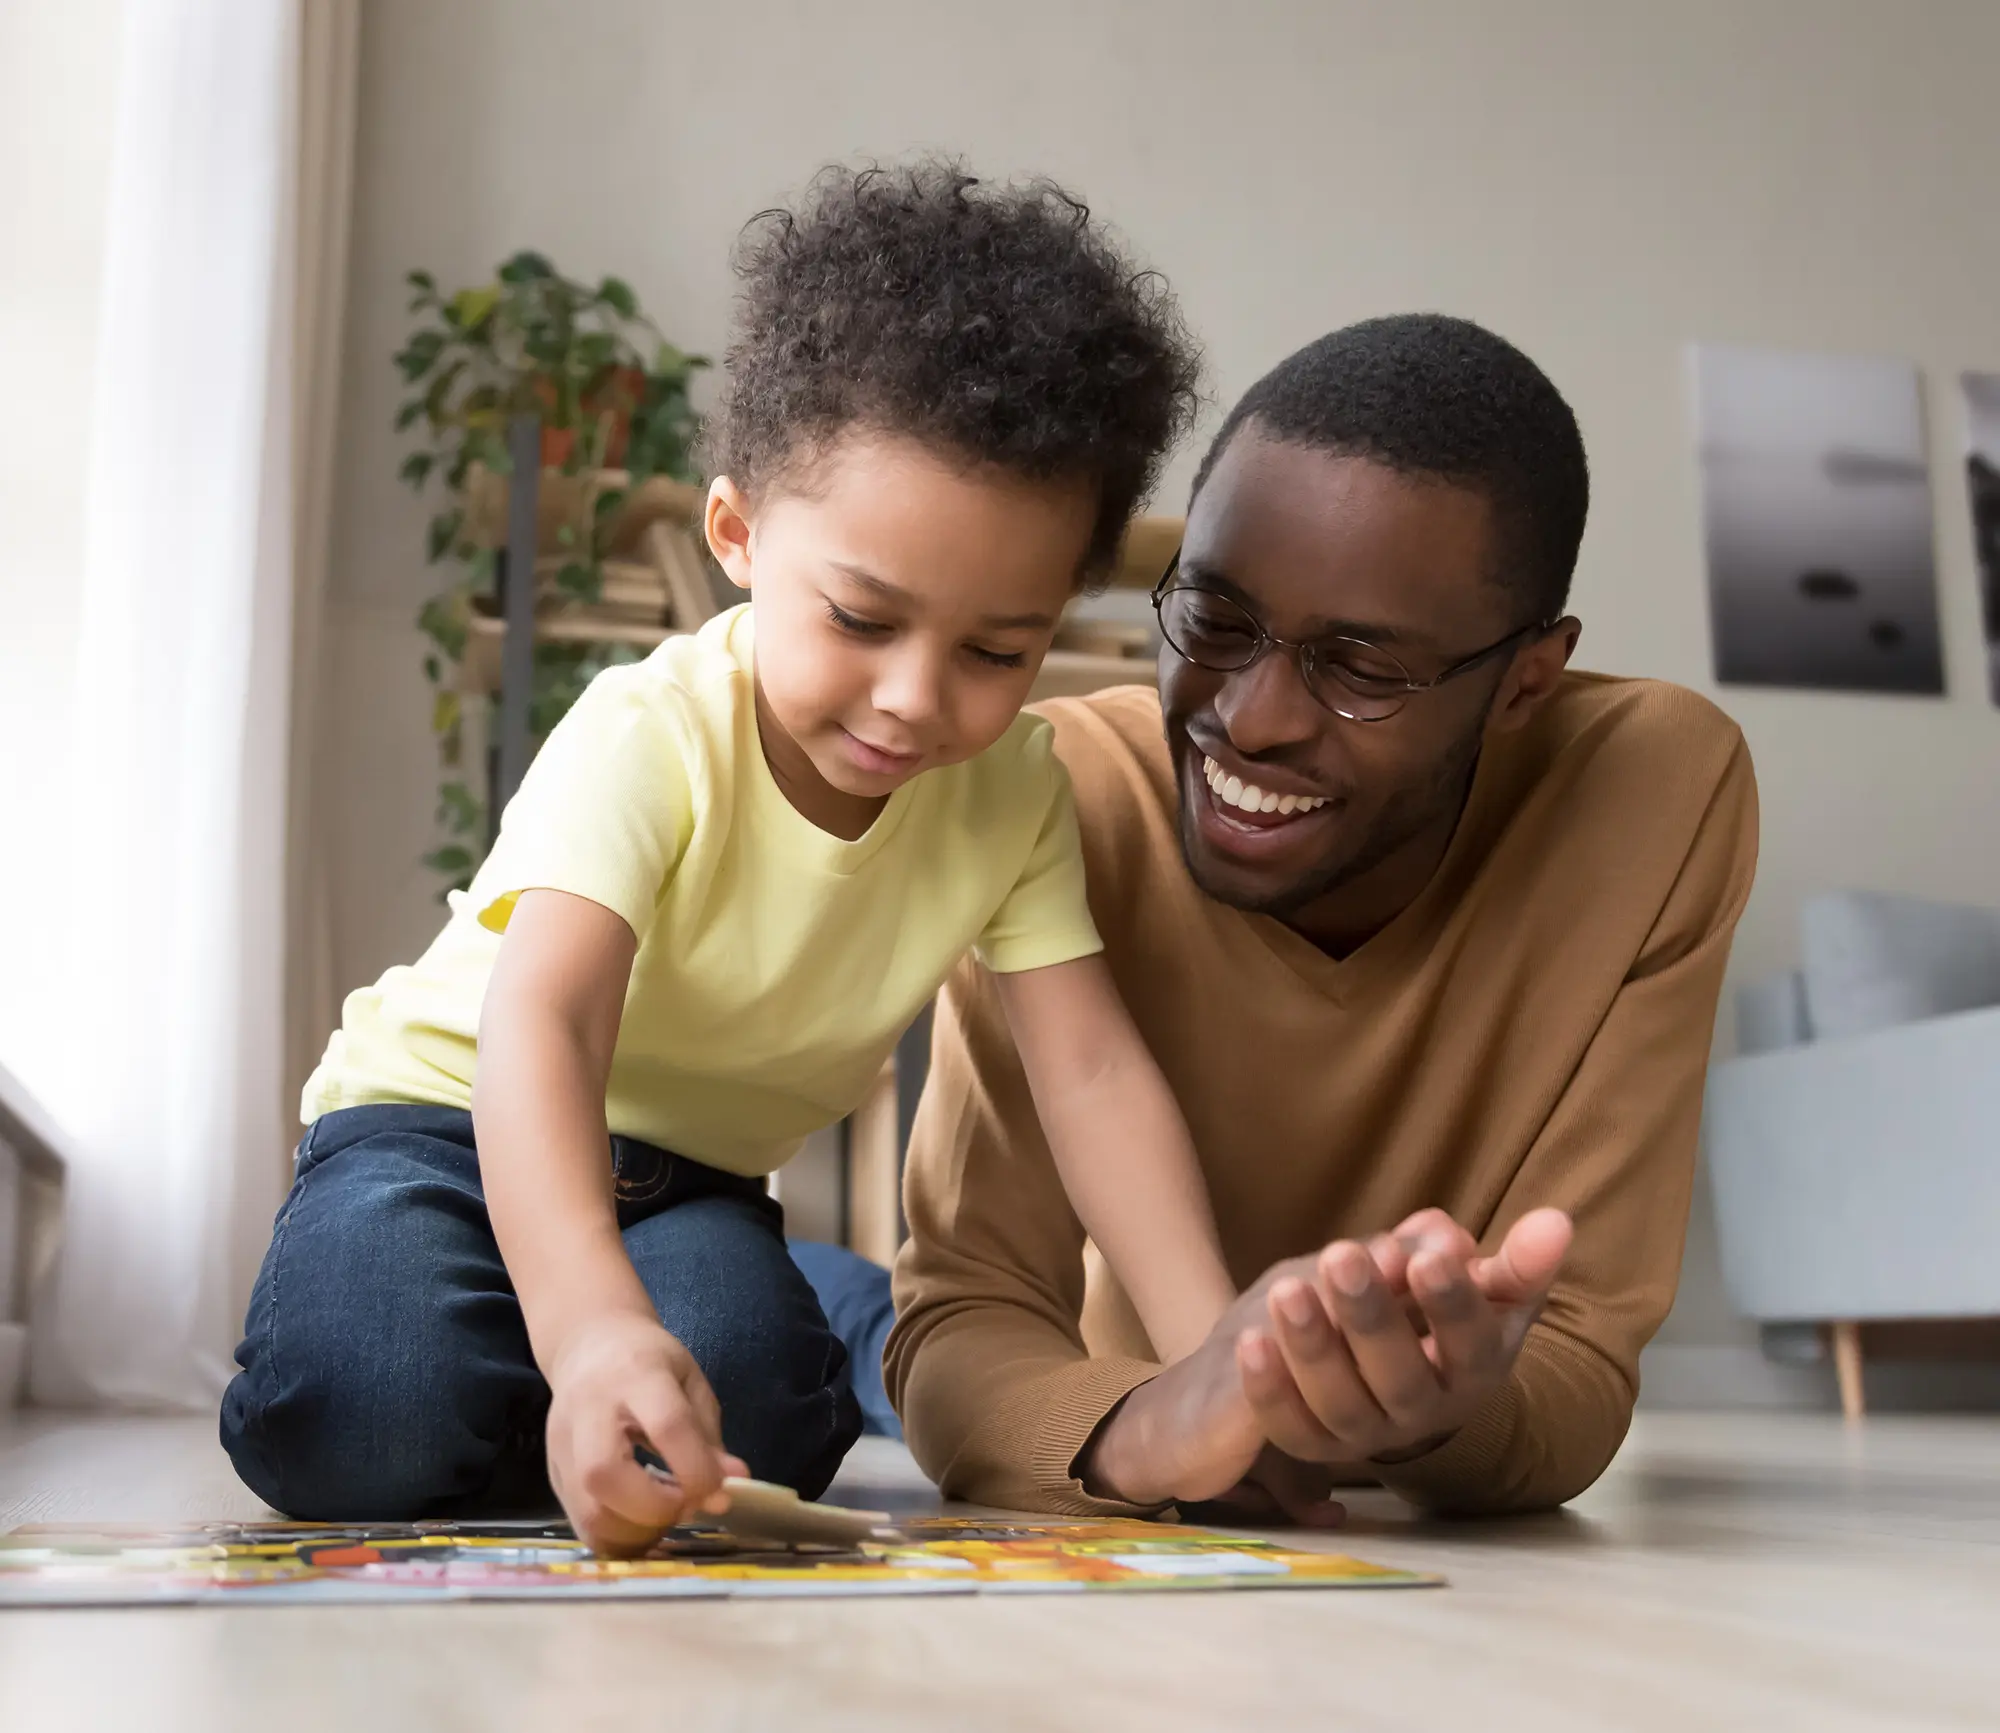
<point>1427,934</point>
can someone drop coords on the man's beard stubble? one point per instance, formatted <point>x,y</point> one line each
<point>1404,817</point>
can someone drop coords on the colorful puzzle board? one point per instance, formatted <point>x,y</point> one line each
<point>290,1563</point>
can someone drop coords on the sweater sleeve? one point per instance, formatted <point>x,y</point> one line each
<point>1618,1153</point>
<point>986,1363</point>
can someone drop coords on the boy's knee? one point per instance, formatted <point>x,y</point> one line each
<point>787,1405</point>
<point>385,1367</point>
<point>718,1272</point>
<point>323,1444</point>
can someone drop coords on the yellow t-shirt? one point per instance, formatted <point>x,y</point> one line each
<point>777,964</point>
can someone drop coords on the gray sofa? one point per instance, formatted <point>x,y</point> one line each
<point>1854,1144</point>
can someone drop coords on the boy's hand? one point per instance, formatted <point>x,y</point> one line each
<point>621,1378</point>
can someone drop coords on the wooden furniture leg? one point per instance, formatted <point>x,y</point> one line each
<point>1847,1369</point>
<point>874,1174</point>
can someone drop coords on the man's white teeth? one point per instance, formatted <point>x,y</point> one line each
<point>1248,797</point>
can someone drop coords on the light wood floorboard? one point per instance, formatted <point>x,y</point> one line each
<point>1730,1571</point>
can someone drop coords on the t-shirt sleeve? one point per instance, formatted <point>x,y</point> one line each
<point>605,810</point>
<point>1045,917</point>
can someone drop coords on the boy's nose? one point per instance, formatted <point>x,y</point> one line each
<point>911,688</point>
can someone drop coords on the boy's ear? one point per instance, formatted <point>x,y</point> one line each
<point>725,521</point>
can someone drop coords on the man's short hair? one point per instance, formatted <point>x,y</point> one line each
<point>1433,396</point>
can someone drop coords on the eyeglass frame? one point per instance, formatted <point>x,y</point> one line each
<point>1268,640</point>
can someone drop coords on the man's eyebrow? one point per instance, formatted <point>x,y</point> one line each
<point>896,593</point>
<point>1367,631</point>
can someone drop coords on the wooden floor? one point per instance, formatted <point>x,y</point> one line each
<point>1730,1571</point>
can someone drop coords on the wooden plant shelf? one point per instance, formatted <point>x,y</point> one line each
<point>565,502</point>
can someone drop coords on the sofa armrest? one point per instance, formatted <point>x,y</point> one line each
<point>1860,1178</point>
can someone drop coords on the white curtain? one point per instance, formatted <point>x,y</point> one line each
<point>207,485</point>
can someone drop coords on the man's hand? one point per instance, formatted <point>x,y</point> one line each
<point>1381,1353</point>
<point>1358,1355</point>
<point>621,1378</point>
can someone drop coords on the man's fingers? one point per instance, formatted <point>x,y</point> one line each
<point>1322,1362</point>
<point>1386,1349</point>
<point>1300,1490</point>
<point>1273,1395</point>
<point>1392,1260</point>
<point>1434,1230</point>
<point>1465,1343</point>
<point>1428,1230</point>
<point>1521,1272</point>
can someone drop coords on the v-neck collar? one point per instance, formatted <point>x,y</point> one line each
<point>1341,978</point>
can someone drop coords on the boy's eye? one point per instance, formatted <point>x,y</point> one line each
<point>997,658</point>
<point>853,623</point>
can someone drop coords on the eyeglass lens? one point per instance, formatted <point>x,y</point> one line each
<point>1348,676</point>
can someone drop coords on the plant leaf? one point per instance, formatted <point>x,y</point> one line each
<point>458,809</point>
<point>420,354</point>
<point>442,619</point>
<point>617,294</point>
<point>454,857</point>
<point>443,532</point>
<point>416,468</point>
<point>526,267</point>
<point>440,387</point>
<point>408,413</point>
<point>574,578</point>
<point>469,309</point>
<point>420,280</point>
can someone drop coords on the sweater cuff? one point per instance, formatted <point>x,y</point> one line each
<point>1088,1392</point>
<point>1461,1474</point>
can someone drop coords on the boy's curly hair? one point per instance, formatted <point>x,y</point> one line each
<point>1000,325</point>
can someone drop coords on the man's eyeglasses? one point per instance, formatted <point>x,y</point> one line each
<point>1352,678</point>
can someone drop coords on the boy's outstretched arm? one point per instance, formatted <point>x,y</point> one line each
<point>546,1036</point>
<point>1121,1146</point>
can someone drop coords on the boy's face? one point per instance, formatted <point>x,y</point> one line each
<point>903,609</point>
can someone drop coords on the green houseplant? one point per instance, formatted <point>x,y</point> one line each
<point>610,392</point>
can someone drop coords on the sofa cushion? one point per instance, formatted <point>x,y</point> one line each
<point>1873,961</point>
<point>1771,1014</point>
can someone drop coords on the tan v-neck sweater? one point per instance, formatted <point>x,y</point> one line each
<point>1532,1030</point>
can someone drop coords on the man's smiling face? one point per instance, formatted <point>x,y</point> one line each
<point>1314,544</point>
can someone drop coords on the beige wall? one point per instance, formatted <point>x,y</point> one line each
<point>57,66</point>
<point>1601,180</point>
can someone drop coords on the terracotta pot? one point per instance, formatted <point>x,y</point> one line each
<point>615,399</point>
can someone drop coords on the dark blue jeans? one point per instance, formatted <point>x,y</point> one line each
<point>386,1372</point>
<point>854,1294</point>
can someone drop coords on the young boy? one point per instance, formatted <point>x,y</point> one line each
<point>529,1228</point>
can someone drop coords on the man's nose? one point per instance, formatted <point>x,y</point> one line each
<point>1267,707</point>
